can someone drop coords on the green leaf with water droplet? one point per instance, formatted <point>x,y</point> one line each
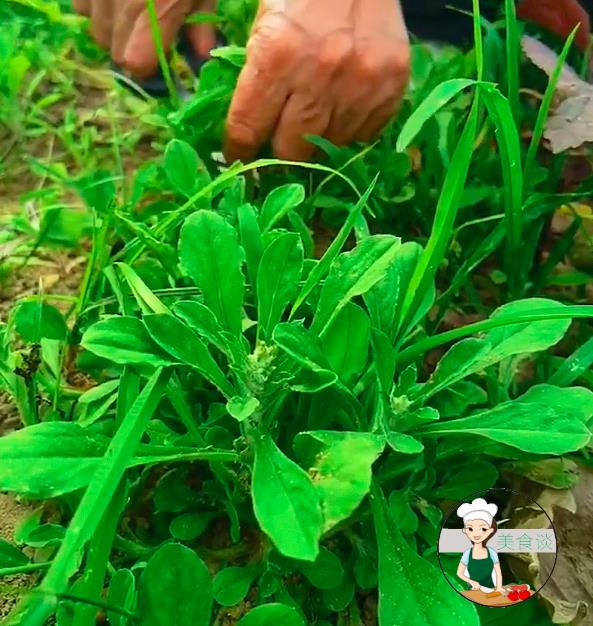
<point>412,590</point>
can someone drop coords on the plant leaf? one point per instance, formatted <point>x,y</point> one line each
<point>37,320</point>
<point>353,274</point>
<point>436,100</point>
<point>183,168</point>
<point>324,264</point>
<point>279,202</point>
<point>341,465</point>
<point>472,355</point>
<point>251,240</point>
<point>285,502</point>
<point>278,279</point>
<point>124,340</point>
<point>210,254</point>
<point>346,344</point>
<point>11,556</point>
<point>231,584</point>
<point>422,595</point>
<point>176,338</point>
<point>175,588</point>
<point>529,423</point>
<point>272,614</point>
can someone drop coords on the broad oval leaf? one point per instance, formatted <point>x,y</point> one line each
<point>532,425</point>
<point>183,168</point>
<point>122,594</point>
<point>278,279</point>
<point>35,321</point>
<point>279,202</point>
<point>346,344</point>
<point>175,588</point>
<point>231,584</point>
<point>302,345</point>
<point>11,556</point>
<point>285,502</point>
<point>272,614</point>
<point>32,464</point>
<point>341,464</point>
<point>210,253</point>
<point>124,340</point>
<point>176,338</point>
<point>422,595</point>
<point>353,274</point>
<point>472,355</point>
<point>189,526</point>
<point>385,299</point>
<point>404,444</point>
<point>325,572</point>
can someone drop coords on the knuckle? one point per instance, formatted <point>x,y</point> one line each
<point>239,132</point>
<point>273,41</point>
<point>400,61</point>
<point>335,51</point>
<point>370,65</point>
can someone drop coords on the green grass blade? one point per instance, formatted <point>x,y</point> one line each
<point>509,146</point>
<point>444,220</point>
<point>36,608</point>
<point>478,39</point>
<point>544,111</point>
<point>561,312</point>
<point>146,299</point>
<point>436,100</point>
<point>160,50</point>
<point>574,366</point>
<point>513,56</point>
<point>321,269</point>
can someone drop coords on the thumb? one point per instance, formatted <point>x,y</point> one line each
<point>202,37</point>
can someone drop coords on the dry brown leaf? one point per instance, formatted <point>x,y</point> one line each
<point>569,83</point>
<point>570,125</point>
<point>568,592</point>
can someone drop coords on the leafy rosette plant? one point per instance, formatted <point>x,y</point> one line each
<point>288,387</point>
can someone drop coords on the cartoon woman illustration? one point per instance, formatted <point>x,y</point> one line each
<point>479,565</point>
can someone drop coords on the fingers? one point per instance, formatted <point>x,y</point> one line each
<point>254,113</point>
<point>140,55</point>
<point>304,114</point>
<point>202,37</point>
<point>102,22</point>
<point>82,6</point>
<point>126,15</point>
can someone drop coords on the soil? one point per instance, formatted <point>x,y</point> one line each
<point>11,587</point>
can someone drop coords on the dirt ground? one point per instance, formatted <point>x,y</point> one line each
<point>11,514</point>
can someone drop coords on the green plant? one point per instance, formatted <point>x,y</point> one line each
<point>262,437</point>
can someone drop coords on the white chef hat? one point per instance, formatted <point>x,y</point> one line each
<point>477,509</point>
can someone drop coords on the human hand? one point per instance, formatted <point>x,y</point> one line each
<point>123,28</point>
<point>334,68</point>
<point>559,17</point>
<point>474,585</point>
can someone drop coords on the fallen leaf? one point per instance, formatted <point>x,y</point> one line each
<point>570,124</point>
<point>569,83</point>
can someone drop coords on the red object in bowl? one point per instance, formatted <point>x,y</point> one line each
<point>524,594</point>
<point>513,596</point>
